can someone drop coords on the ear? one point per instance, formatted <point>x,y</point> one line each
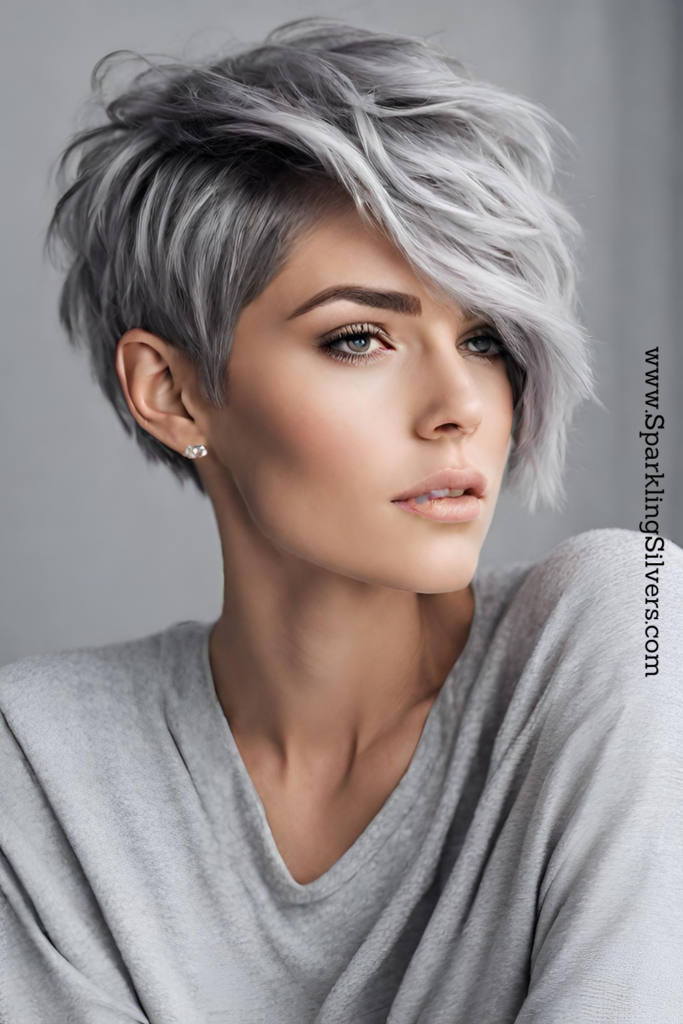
<point>157,382</point>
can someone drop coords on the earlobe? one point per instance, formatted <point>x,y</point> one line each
<point>196,451</point>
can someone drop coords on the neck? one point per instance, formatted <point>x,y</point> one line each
<point>309,662</point>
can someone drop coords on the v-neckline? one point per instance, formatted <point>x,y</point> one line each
<point>260,839</point>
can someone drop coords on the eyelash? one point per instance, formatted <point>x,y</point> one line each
<point>355,330</point>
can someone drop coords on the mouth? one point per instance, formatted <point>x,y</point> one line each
<point>451,495</point>
<point>452,507</point>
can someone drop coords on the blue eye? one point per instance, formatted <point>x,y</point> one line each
<point>489,340</point>
<point>351,335</point>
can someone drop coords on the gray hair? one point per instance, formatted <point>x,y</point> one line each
<point>186,202</point>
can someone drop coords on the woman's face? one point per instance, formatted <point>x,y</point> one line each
<point>319,436</point>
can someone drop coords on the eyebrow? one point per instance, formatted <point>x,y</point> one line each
<point>397,302</point>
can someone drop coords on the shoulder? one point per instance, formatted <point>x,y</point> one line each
<point>80,727</point>
<point>596,618</point>
<point>602,556</point>
<point>589,655</point>
<point>605,569</point>
<point>45,692</point>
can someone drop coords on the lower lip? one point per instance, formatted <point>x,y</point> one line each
<point>444,510</point>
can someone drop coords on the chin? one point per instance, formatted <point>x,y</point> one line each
<point>442,582</point>
<point>416,575</point>
<point>438,570</point>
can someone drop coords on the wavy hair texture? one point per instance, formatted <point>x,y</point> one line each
<point>185,202</point>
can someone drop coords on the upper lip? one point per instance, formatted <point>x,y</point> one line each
<point>466,478</point>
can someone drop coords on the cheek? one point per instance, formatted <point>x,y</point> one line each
<point>498,410</point>
<point>490,449</point>
<point>308,431</point>
<point>310,455</point>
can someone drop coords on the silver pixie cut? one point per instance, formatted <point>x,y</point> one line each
<point>186,201</point>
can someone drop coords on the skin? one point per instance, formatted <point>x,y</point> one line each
<point>343,614</point>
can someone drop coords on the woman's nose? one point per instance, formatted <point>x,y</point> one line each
<point>449,397</point>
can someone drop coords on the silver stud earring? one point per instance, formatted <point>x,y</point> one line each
<point>196,451</point>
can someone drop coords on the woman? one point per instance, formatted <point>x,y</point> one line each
<point>328,281</point>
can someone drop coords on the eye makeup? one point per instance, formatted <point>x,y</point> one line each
<point>352,332</point>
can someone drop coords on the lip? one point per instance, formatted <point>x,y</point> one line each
<point>447,510</point>
<point>466,478</point>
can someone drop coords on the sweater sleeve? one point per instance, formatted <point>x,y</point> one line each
<point>608,941</point>
<point>58,960</point>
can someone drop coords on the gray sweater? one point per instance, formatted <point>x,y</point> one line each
<point>527,867</point>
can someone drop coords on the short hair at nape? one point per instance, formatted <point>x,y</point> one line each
<point>185,201</point>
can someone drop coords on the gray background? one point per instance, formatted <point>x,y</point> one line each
<point>96,545</point>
